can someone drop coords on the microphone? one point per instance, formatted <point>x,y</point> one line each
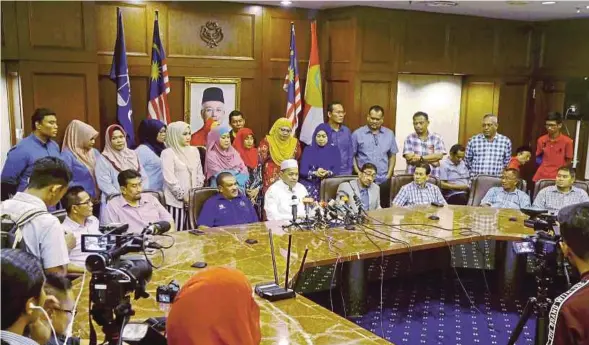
<point>293,205</point>
<point>308,202</point>
<point>157,228</point>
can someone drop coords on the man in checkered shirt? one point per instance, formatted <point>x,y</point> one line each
<point>563,194</point>
<point>488,153</point>
<point>507,196</point>
<point>423,146</point>
<point>419,192</point>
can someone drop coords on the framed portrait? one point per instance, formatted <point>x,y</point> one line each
<point>210,97</point>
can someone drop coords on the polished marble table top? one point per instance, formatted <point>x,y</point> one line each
<point>299,320</point>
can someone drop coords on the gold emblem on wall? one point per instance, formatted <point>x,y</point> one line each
<point>211,33</point>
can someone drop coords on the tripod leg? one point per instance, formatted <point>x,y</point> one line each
<point>522,321</point>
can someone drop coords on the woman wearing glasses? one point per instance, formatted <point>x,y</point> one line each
<point>277,146</point>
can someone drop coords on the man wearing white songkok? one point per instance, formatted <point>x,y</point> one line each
<point>279,199</point>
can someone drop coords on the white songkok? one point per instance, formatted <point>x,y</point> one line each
<point>288,164</point>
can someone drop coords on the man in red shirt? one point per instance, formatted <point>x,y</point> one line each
<point>522,156</point>
<point>569,314</point>
<point>553,150</point>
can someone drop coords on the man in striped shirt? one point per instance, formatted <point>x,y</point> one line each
<point>419,192</point>
<point>507,196</point>
<point>563,194</point>
<point>488,153</point>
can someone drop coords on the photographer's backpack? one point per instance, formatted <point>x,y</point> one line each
<point>12,229</point>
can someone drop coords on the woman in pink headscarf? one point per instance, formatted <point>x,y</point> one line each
<point>222,157</point>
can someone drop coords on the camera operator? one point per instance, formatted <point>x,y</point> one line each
<point>569,315</point>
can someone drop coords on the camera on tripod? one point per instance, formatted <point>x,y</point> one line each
<point>114,277</point>
<point>544,242</point>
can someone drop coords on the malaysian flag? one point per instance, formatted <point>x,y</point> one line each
<point>291,84</point>
<point>119,73</point>
<point>159,82</point>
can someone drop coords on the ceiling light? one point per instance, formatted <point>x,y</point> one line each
<point>587,7</point>
<point>286,2</point>
<point>548,2</point>
<point>578,10</point>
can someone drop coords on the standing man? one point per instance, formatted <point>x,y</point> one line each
<point>562,194</point>
<point>364,188</point>
<point>19,162</point>
<point>376,144</point>
<point>423,146</point>
<point>237,122</point>
<point>553,149</point>
<point>42,234</point>
<point>341,136</point>
<point>489,152</point>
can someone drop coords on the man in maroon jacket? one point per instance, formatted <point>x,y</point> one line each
<point>569,315</point>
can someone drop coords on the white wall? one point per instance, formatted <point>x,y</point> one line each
<point>4,118</point>
<point>437,95</point>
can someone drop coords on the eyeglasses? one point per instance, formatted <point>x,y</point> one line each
<point>87,202</point>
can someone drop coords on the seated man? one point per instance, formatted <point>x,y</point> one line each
<point>79,221</point>
<point>522,156</point>
<point>133,208</point>
<point>285,193</point>
<point>363,187</point>
<point>569,313</point>
<point>554,198</point>
<point>43,234</point>
<point>507,196</point>
<point>419,192</point>
<point>62,315</point>
<point>455,176</point>
<point>228,207</point>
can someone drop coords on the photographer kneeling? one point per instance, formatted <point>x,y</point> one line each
<point>569,315</point>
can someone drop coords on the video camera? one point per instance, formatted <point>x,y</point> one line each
<point>114,277</point>
<point>544,243</point>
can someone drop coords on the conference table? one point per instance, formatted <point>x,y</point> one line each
<point>300,320</point>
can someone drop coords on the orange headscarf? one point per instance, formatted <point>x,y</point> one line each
<point>215,307</point>
<point>200,137</point>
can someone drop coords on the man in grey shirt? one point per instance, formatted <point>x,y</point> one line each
<point>455,176</point>
<point>364,188</point>
<point>43,235</point>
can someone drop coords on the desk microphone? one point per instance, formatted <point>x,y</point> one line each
<point>156,228</point>
<point>293,205</point>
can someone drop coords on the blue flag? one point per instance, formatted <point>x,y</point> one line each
<point>119,73</point>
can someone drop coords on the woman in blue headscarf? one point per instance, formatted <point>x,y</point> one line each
<point>152,136</point>
<point>320,160</point>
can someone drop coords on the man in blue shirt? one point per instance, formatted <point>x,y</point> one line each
<point>341,136</point>
<point>19,162</point>
<point>376,144</point>
<point>228,207</point>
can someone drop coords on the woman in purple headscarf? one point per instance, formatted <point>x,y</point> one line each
<point>320,160</point>
<point>222,157</point>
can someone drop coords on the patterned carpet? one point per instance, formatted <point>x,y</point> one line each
<point>432,308</point>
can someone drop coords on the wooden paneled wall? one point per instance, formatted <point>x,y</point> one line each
<point>362,50</point>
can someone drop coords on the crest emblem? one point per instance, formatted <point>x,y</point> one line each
<point>221,207</point>
<point>211,33</point>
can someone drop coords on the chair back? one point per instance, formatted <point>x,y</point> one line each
<point>481,185</point>
<point>197,198</point>
<point>328,188</point>
<point>541,184</point>
<point>202,151</point>
<point>159,195</point>
<point>400,180</point>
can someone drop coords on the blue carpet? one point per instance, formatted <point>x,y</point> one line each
<point>433,309</point>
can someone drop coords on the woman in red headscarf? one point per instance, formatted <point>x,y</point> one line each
<point>215,307</point>
<point>245,144</point>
